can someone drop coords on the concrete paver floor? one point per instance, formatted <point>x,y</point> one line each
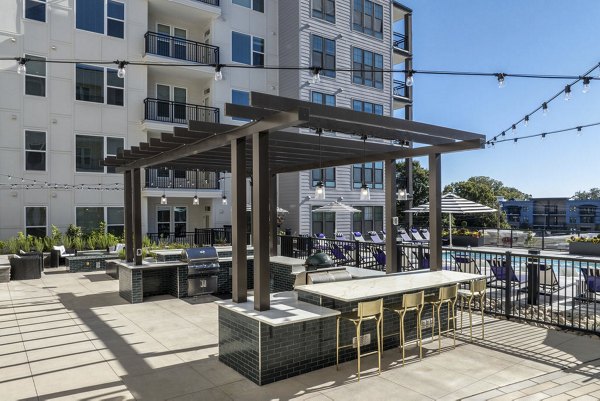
<point>71,337</point>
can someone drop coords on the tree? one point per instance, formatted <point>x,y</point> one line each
<point>484,190</point>
<point>420,192</point>
<point>593,193</point>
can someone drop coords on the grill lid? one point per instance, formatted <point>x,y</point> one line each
<point>199,255</point>
<point>319,260</point>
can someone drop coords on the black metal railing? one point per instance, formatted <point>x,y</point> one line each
<point>198,237</point>
<point>181,49</point>
<point>211,2</point>
<point>178,113</point>
<point>180,179</point>
<point>400,88</point>
<point>400,41</point>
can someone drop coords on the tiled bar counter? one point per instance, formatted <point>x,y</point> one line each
<point>291,339</point>
<point>88,262</point>
<point>137,282</point>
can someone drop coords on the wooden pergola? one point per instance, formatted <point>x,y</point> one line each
<point>281,138</point>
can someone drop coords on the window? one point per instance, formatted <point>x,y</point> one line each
<point>367,68</point>
<point>115,221</point>
<point>89,152</point>
<point>323,223</point>
<point>326,175</point>
<point>323,55</point>
<point>89,85</point>
<point>367,107</point>
<point>247,49</point>
<point>324,9</point>
<point>113,146</point>
<point>35,151</point>
<point>322,98</point>
<point>370,219</point>
<point>89,218</point>
<point>179,220</point>
<point>35,10</point>
<point>368,18</point>
<point>90,17</point>
<point>373,173</point>
<point>240,97</point>
<point>35,78</point>
<point>256,5</point>
<point>115,19</point>
<point>35,221</point>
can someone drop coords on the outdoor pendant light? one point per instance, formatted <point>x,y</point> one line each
<point>163,199</point>
<point>365,193</point>
<point>21,68</point>
<point>196,200</point>
<point>320,188</point>
<point>224,200</point>
<point>224,197</point>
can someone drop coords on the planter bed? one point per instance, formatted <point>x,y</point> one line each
<point>584,248</point>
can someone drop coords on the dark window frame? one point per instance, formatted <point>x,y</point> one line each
<point>36,227</point>
<point>113,87</point>
<point>326,175</point>
<point>367,60</point>
<point>112,25</point>
<point>39,4</point>
<point>372,173</point>
<point>243,104</point>
<point>78,155</point>
<point>365,106</point>
<point>254,57</point>
<point>324,221</point>
<point>255,5</point>
<point>36,151</point>
<point>319,57</point>
<point>370,16</point>
<point>33,80</point>
<point>323,13</point>
<point>324,98</point>
<point>374,223</point>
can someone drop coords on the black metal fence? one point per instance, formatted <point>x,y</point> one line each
<point>181,48</point>
<point>400,88</point>
<point>182,179</point>
<point>198,237</point>
<point>178,113</point>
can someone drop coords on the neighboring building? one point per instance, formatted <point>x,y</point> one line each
<point>553,214</point>
<point>61,120</point>
<point>360,34</point>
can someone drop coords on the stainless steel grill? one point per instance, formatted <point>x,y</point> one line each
<point>203,268</point>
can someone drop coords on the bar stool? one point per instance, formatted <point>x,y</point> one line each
<point>446,295</point>
<point>410,302</point>
<point>369,310</point>
<point>476,292</point>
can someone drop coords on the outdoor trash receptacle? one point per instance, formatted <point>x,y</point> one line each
<point>54,258</point>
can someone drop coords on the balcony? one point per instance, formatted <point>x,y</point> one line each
<point>170,112</point>
<point>181,49</point>
<point>401,48</point>
<point>401,94</point>
<point>163,178</point>
<point>198,12</point>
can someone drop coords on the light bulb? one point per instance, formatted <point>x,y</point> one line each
<point>196,201</point>
<point>500,80</point>
<point>545,108</point>
<point>224,200</point>
<point>365,193</point>
<point>320,191</point>
<point>526,121</point>
<point>567,92</point>
<point>515,141</point>
<point>121,72</point>
<point>218,73</point>
<point>21,69</point>
<point>316,75</point>
<point>163,199</point>
<point>586,85</point>
<point>543,137</point>
<point>514,128</point>
<point>578,131</point>
<point>409,79</point>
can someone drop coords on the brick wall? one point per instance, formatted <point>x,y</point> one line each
<point>224,276</point>
<point>282,278</point>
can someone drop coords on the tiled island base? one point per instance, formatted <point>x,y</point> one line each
<point>137,282</point>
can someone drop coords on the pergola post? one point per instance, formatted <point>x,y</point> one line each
<point>435,211</point>
<point>239,270</point>
<point>137,215</point>
<point>127,205</point>
<point>273,215</point>
<point>391,260</point>
<point>260,219</point>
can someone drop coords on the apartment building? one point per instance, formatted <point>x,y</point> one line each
<point>59,120</point>
<point>358,35</point>
<point>553,214</point>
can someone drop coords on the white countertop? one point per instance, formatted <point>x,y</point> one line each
<point>285,260</point>
<point>369,288</point>
<point>285,309</point>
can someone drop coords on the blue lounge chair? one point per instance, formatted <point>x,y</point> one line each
<point>339,256</point>
<point>320,243</point>
<point>466,264</point>
<point>404,236</point>
<point>379,256</point>
<point>425,234</point>
<point>417,235</point>
<point>591,285</point>
<point>358,236</point>
<point>498,269</point>
<point>375,238</point>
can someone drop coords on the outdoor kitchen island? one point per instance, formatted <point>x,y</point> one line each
<point>298,334</point>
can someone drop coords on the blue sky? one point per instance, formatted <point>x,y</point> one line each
<point>515,36</point>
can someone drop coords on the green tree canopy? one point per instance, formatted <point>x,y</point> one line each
<point>420,192</point>
<point>484,190</point>
<point>593,193</point>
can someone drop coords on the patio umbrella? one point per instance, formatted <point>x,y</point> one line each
<point>336,207</point>
<point>454,204</point>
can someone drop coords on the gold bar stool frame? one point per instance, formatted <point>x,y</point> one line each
<point>369,310</point>
<point>410,302</point>
<point>446,295</point>
<point>476,292</point>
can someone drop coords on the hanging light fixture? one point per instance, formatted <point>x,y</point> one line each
<point>121,70</point>
<point>578,131</point>
<point>365,193</point>
<point>568,92</point>
<point>196,200</point>
<point>545,108</point>
<point>403,195</point>
<point>586,84</point>
<point>21,68</point>
<point>526,121</point>
<point>163,199</point>
<point>320,188</point>
<point>224,197</point>
<point>514,128</point>
<point>315,72</point>
<point>218,72</point>
<point>500,77</point>
<point>410,80</point>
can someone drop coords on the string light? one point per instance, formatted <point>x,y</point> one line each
<point>545,108</point>
<point>315,72</point>
<point>568,92</point>
<point>121,70</point>
<point>320,188</point>
<point>365,193</point>
<point>526,121</point>
<point>501,78</point>
<point>218,72</point>
<point>409,78</point>
<point>543,135</point>
<point>586,85</point>
<point>514,128</point>
<point>21,67</point>
<point>163,199</point>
